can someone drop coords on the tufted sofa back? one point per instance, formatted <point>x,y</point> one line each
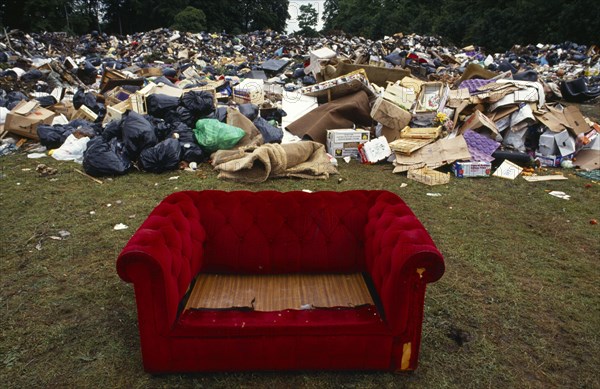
<point>272,232</point>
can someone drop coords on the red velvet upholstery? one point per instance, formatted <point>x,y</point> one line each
<point>271,232</point>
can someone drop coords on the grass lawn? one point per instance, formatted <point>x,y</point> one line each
<point>518,306</point>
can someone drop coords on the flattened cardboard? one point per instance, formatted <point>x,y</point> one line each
<point>576,120</point>
<point>401,168</point>
<point>277,292</point>
<point>588,159</point>
<point>558,177</point>
<point>436,154</point>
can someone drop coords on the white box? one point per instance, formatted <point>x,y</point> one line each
<point>547,143</point>
<point>344,142</point>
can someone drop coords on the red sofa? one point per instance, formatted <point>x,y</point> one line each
<point>373,232</point>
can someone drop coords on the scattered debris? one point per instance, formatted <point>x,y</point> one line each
<point>88,176</point>
<point>45,170</point>
<point>436,108</point>
<point>559,194</point>
<point>558,177</point>
<point>460,336</point>
<point>120,226</point>
<point>508,170</point>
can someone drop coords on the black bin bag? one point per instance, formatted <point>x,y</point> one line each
<point>138,134</point>
<point>159,104</point>
<point>53,137</point>
<point>105,158</point>
<point>163,157</point>
<point>270,133</point>
<point>199,103</point>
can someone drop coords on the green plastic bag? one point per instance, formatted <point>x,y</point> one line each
<point>212,135</point>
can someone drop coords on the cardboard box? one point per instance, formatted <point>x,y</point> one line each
<point>402,97</point>
<point>249,91</point>
<point>472,169</point>
<point>85,113</point>
<point>554,143</point>
<point>65,108</point>
<point>547,145</point>
<point>24,119</point>
<point>374,150</point>
<point>565,143</point>
<point>478,120</point>
<point>376,74</point>
<point>551,160</point>
<point>344,142</point>
<point>390,115</point>
<point>430,97</point>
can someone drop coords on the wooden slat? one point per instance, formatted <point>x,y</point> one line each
<point>408,146</point>
<point>278,292</point>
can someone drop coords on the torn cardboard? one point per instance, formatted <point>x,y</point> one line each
<point>478,120</point>
<point>442,152</point>
<point>588,159</point>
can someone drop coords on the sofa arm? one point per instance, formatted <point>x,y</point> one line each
<point>163,256</point>
<point>401,259</point>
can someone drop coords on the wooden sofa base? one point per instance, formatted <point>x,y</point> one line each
<point>276,292</point>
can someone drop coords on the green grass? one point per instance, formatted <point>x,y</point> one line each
<point>518,306</point>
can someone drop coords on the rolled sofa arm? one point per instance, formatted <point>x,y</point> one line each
<point>401,259</point>
<point>162,258</point>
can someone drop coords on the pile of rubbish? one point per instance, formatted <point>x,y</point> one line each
<point>264,105</point>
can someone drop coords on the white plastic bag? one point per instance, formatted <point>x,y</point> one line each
<point>72,149</point>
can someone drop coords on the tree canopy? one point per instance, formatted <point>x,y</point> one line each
<point>496,25</point>
<point>128,16</point>
<point>307,20</point>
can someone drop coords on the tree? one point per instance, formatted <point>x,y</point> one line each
<point>331,9</point>
<point>264,14</point>
<point>307,20</point>
<point>190,19</point>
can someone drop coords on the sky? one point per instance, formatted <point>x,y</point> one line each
<point>294,11</point>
